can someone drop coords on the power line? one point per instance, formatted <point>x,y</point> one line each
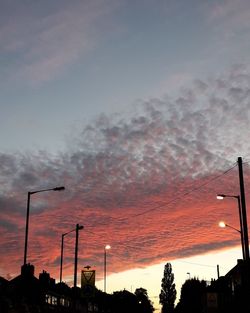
<point>179,198</point>
<point>195,189</point>
<point>198,264</point>
<point>129,246</point>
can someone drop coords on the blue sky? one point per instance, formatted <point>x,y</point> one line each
<point>126,103</point>
<point>64,63</point>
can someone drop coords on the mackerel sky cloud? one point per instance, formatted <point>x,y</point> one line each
<point>140,109</point>
<point>144,182</point>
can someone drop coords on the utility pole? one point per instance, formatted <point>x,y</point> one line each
<point>78,227</point>
<point>218,271</point>
<point>241,229</point>
<point>27,229</point>
<point>243,209</point>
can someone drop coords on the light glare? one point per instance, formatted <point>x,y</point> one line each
<point>222,224</point>
<point>219,197</point>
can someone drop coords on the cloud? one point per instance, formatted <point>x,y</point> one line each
<point>48,40</point>
<point>237,12</point>
<point>144,182</point>
<point>228,23</point>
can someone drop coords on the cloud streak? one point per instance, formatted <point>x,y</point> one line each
<point>144,182</point>
<point>48,40</point>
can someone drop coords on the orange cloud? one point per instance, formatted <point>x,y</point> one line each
<point>144,184</point>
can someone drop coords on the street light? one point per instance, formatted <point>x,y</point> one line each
<point>223,225</point>
<point>221,197</point>
<point>107,247</point>
<point>61,264</point>
<point>78,227</point>
<point>27,216</point>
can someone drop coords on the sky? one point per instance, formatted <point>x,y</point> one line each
<point>140,109</point>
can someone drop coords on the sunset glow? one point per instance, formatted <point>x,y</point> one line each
<point>140,110</point>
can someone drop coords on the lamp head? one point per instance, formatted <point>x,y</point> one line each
<point>80,227</point>
<point>59,188</point>
<point>222,224</point>
<point>220,197</point>
<point>107,247</point>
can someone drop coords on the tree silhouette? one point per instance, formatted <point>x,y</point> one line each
<point>192,296</point>
<point>168,291</point>
<point>123,302</point>
<point>145,305</point>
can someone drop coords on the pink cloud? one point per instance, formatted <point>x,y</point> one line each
<point>145,184</point>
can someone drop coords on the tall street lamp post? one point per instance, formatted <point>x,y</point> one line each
<point>27,217</point>
<point>221,197</point>
<point>78,227</point>
<point>107,247</point>
<point>62,242</point>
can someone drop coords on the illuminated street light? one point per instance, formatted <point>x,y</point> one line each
<point>27,216</point>
<point>223,225</point>
<point>107,247</point>
<point>221,197</point>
